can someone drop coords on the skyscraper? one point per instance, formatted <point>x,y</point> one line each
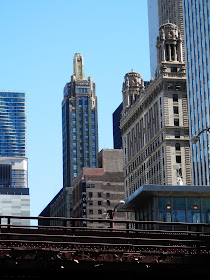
<point>154,120</point>
<point>13,136</point>
<point>197,34</point>
<point>79,123</point>
<point>80,136</point>
<point>117,135</point>
<point>159,13</point>
<point>14,193</point>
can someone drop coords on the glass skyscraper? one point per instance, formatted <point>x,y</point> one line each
<point>14,192</point>
<point>197,45</point>
<point>12,124</point>
<point>79,123</point>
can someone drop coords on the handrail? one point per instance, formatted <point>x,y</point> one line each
<point>102,220</point>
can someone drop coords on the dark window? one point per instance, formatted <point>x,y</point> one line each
<point>90,194</point>
<point>170,85</point>
<point>173,69</point>
<point>176,110</point>
<point>178,159</point>
<point>177,147</point>
<point>99,194</point>
<point>176,122</point>
<point>108,202</point>
<point>99,202</point>
<point>177,134</point>
<point>175,97</point>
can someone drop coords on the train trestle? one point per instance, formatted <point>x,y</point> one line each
<point>143,246</point>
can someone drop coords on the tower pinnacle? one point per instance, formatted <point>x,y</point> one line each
<point>79,67</point>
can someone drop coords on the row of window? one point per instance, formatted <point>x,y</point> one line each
<point>82,90</point>
<point>99,194</point>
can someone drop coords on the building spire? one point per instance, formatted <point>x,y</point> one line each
<point>79,67</point>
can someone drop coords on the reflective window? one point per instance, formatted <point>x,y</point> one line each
<point>179,209</point>
<point>165,209</point>
<point>206,210</point>
<point>193,210</point>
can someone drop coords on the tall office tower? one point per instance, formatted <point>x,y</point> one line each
<point>80,124</point>
<point>159,13</point>
<point>197,33</point>
<point>117,135</point>
<point>14,192</point>
<point>154,120</point>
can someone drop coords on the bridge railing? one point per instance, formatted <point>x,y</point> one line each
<point>151,237</point>
<point>101,224</point>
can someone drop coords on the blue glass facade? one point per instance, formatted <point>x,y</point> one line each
<point>197,45</point>
<point>12,124</point>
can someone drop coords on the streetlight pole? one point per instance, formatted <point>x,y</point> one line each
<point>195,139</point>
<point>112,213</point>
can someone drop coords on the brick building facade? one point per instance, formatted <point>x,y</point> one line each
<point>97,191</point>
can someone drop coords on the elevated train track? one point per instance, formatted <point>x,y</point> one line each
<point>140,246</point>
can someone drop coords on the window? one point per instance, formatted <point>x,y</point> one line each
<point>178,159</point>
<point>99,202</point>
<point>90,211</point>
<point>90,202</point>
<point>92,186</point>
<point>175,97</point>
<point>179,209</point>
<point>177,134</point>
<point>193,210</point>
<point>99,194</point>
<point>164,209</point>
<point>177,147</point>
<point>176,110</point>
<point>206,211</point>
<point>173,69</point>
<point>108,202</point>
<point>170,85</point>
<point>99,211</point>
<point>90,194</point>
<point>176,122</point>
<point>107,195</point>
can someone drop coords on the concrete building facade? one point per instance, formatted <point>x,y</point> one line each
<point>154,123</point>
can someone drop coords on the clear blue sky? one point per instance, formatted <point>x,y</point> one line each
<point>38,41</point>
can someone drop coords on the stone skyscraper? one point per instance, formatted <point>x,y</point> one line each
<point>80,136</point>
<point>160,12</point>
<point>154,121</point>
<point>79,123</point>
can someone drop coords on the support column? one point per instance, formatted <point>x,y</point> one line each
<point>163,52</point>
<point>175,53</point>
<point>169,52</point>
